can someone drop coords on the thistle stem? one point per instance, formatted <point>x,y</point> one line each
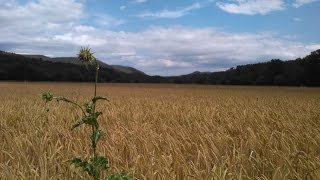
<point>96,78</point>
<point>94,129</point>
<point>94,149</point>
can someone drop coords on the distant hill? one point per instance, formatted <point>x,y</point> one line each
<point>300,72</point>
<point>36,68</point>
<point>74,60</point>
<point>127,69</point>
<point>34,56</point>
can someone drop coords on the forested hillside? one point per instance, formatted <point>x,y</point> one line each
<point>299,72</point>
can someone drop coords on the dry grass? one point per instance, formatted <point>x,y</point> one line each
<point>165,131</point>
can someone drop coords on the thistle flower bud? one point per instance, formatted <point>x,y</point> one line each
<point>86,56</point>
<point>47,96</point>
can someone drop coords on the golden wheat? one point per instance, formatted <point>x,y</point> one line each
<point>165,131</point>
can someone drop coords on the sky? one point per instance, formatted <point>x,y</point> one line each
<point>163,37</point>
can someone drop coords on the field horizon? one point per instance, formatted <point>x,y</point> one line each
<point>164,131</point>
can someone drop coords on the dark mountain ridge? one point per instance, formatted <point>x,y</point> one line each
<point>74,60</point>
<point>21,68</point>
<point>300,72</point>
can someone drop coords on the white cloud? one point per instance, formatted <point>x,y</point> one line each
<point>132,2</point>
<point>106,20</point>
<point>82,28</point>
<point>251,7</point>
<point>298,3</point>
<point>37,20</point>
<point>168,63</point>
<point>313,47</point>
<point>297,20</point>
<point>173,50</point>
<point>122,8</point>
<point>139,1</point>
<point>157,50</point>
<point>162,50</point>
<point>40,13</point>
<point>172,13</point>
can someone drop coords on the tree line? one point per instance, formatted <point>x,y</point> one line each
<point>300,72</point>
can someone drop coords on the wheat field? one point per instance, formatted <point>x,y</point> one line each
<point>164,131</point>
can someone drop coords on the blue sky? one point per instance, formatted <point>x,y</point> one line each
<point>163,37</point>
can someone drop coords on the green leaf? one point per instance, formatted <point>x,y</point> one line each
<point>97,114</point>
<point>92,120</point>
<point>89,107</point>
<point>80,122</point>
<point>119,176</point>
<point>85,166</point>
<point>77,162</point>
<point>61,98</point>
<point>100,162</point>
<point>95,99</point>
<point>95,138</point>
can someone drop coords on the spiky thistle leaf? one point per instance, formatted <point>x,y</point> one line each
<point>47,96</point>
<point>95,138</point>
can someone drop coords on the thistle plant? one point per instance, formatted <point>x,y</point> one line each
<point>90,115</point>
